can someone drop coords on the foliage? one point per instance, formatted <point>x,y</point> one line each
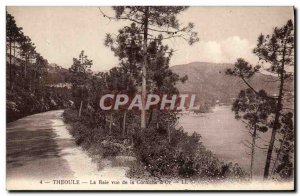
<point>20,103</point>
<point>160,19</point>
<point>95,140</point>
<point>80,73</point>
<point>136,44</point>
<point>184,157</point>
<point>286,150</point>
<point>277,49</point>
<point>253,108</point>
<point>128,77</point>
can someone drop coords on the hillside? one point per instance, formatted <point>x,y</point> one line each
<point>210,83</point>
<point>56,74</point>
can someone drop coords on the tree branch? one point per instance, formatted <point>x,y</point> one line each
<point>254,89</point>
<point>119,18</point>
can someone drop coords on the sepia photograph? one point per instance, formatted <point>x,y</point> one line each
<point>150,98</point>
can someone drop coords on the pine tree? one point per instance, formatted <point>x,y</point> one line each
<point>39,70</point>
<point>12,36</point>
<point>80,73</point>
<point>151,22</point>
<point>277,52</point>
<point>254,110</point>
<point>277,49</point>
<point>119,81</point>
<point>28,53</point>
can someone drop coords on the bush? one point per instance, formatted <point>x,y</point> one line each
<point>21,102</point>
<point>95,140</point>
<point>184,157</point>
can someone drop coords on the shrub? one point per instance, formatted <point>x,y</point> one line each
<point>95,140</point>
<point>22,102</point>
<point>184,157</point>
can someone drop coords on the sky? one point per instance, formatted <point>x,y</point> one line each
<point>226,33</point>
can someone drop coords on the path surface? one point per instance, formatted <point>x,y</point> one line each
<point>39,147</point>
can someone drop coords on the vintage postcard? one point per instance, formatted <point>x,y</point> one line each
<point>150,98</point>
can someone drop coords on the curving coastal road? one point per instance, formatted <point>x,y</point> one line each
<point>33,148</point>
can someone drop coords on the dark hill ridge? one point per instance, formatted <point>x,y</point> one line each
<point>56,74</point>
<point>210,83</point>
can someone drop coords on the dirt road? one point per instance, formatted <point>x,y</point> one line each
<point>40,149</point>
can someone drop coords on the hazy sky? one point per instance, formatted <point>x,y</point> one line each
<point>225,33</point>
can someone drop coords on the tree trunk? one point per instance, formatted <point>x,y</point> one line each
<point>25,67</point>
<point>34,81</point>
<point>276,121</point>
<point>80,108</point>
<point>253,151</point>
<point>278,155</point>
<point>144,69</point>
<point>110,123</point>
<point>169,132</point>
<point>13,72</point>
<point>38,82</point>
<point>10,67</point>
<point>124,124</point>
<point>150,118</point>
<point>14,49</point>
<point>30,81</point>
<point>157,119</point>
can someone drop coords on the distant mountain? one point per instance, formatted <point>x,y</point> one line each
<point>56,74</point>
<point>210,83</point>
